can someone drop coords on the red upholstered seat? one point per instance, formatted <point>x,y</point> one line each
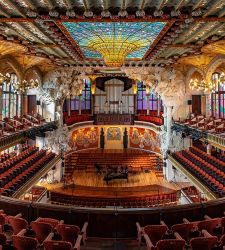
<point>183,230</point>
<point>155,232</point>
<point>2,239</point>
<point>68,232</point>
<point>51,221</point>
<point>171,244</point>
<point>17,223</point>
<point>57,245</point>
<point>209,225</point>
<point>24,243</point>
<point>201,243</point>
<point>41,230</point>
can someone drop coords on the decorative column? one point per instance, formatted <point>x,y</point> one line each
<point>93,90</point>
<point>79,105</point>
<point>147,97</point>
<point>135,91</point>
<point>1,102</point>
<point>158,106</point>
<point>168,124</point>
<point>69,106</point>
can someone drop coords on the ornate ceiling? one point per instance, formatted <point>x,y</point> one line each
<point>90,32</point>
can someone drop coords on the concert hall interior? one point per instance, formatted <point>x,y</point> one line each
<point>112,124</point>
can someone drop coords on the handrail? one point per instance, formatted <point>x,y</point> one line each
<point>36,177</point>
<point>209,194</point>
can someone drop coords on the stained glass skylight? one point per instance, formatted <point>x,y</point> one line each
<point>114,41</point>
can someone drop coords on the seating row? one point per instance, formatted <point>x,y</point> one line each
<point>131,202</point>
<point>205,234</point>
<point>43,233</point>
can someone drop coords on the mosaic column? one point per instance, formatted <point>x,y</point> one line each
<point>1,103</point>
<point>79,105</point>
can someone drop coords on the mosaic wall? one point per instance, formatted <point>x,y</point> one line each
<point>144,139</point>
<point>84,138</point>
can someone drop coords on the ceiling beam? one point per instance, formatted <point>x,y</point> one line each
<point>194,34</point>
<point>197,4</point>
<point>123,5</point>
<point>85,3</point>
<point>30,4</point>
<point>160,4</point>
<point>15,7</point>
<point>212,8</point>
<point>3,13</point>
<point>187,45</point>
<point>68,3</point>
<point>179,4</point>
<point>142,5</point>
<point>50,4</point>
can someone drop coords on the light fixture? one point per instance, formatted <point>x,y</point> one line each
<point>4,78</point>
<point>135,87</point>
<point>197,82</point>
<point>20,86</point>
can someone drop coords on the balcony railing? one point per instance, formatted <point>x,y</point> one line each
<point>15,138</point>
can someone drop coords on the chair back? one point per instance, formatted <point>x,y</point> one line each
<point>24,243</point>
<point>17,224</point>
<point>205,243</point>
<point>68,232</point>
<point>155,232</point>
<point>41,230</point>
<point>57,245</point>
<point>170,244</point>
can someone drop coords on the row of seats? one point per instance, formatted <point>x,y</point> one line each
<point>43,233</point>
<point>77,118</point>
<point>18,170</point>
<point>209,124</point>
<point>10,125</point>
<point>205,234</point>
<point>136,161</point>
<point>131,202</point>
<point>212,176</point>
<point>193,194</point>
<point>152,119</point>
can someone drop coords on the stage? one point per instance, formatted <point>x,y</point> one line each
<point>92,185</point>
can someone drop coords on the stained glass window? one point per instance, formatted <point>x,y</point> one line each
<point>142,99</point>
<point>11,102</point>
<point>218,98</point>
<point>85,99</point>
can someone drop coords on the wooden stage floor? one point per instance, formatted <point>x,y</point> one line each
<point>92,185</point>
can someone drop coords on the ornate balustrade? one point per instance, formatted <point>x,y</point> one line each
<point>12,139</point>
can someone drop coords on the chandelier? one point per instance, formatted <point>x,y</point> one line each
<point>22,86</point>
<point>4,78</point>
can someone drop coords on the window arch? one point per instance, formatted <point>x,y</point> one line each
<point>11,102</point>
<point>218,97</point>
